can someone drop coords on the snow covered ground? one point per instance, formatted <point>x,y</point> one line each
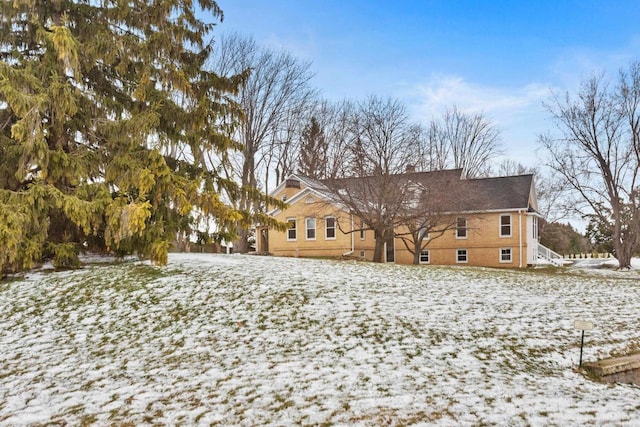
<point>247,340</point>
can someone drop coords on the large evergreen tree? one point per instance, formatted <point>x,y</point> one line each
<point>105,113</point>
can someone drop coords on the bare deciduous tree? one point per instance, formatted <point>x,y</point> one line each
<point>429,209</point>
<point>378,150</point>
<point>272,99</point>
<point>553,204</point>
<point>380,145</point>
<point>335,120</point>
<point>378,200</point>
<point>463,141</point>
<point>597,152</point>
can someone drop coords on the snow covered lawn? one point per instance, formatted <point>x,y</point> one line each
<point>246,340</point>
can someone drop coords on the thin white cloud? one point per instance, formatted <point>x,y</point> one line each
<point>577,64</point>
<point>517,111</point>
<point>431,98</point>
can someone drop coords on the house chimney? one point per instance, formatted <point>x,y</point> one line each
<point>410,168</point>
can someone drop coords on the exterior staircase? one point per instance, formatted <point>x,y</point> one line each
<point>546,254</point>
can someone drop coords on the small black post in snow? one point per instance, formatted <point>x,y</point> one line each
<point>583,326</point>
<point>581,347</point>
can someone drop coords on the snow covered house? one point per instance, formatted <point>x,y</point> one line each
<point>436,217</point>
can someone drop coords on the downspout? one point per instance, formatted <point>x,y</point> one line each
<point>520,235</point>
<point>353,243</point>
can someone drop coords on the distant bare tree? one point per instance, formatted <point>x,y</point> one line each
<point>467,141</point>
<point>510,167</point>
<point>272,99</point>
<point>381,144</point>
<point>597,152</point>
<point>335,120</point>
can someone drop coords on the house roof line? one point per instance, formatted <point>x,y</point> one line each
<point>474,195</point>
<point>300,195</point>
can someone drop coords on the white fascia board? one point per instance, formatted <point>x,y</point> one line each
<point>534,196</point>
<point>485,211</point>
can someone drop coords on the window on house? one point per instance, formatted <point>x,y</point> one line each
<point>363,253</point>
<point>424,257</point>
<point>461,228</point>
<point>311,228</point>
<point>329,227</point>
<point>292,233</point>
<point>362,230</point>
<point>461,256</point>
<point>423,233</point>
<point>535,227</point>
<point>505,254</point>
<point>505,225</point>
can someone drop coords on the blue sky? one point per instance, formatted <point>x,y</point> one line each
<point>500,57</point>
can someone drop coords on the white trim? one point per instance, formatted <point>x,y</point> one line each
<point>504,236</point>
<point>335,227</point>
<point>466,251</point>
<point>466,228</point>
<point>307,229</point>
<point>520,237</point>
<point>428,256</point>
<point>510,256</point>
<point>295,221</point>
<point>296,197</point>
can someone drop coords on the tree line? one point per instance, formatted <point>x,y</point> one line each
<point>290,128</point>
<point>126,125</point>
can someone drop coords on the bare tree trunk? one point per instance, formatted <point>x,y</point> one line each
<point>597,154</point>
<point>272,94</point>
<point>378,251</point>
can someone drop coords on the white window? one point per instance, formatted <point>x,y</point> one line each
<point>461,228</point>
<point>329,228</point>
<point>424,257</point>
<point>535,227</point>
<point>292,232</point>
<point>363,253</point>
<point>424,233</point>
<point>461,256</point>
<point>311,228</point>
<point>362,230</point>
<point>505,254</point>
<point>505,225</point>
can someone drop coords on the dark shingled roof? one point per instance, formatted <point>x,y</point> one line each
<point>500,193</point>
<point>460,195</point>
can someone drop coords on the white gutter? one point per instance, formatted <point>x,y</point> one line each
<point>353,243</point>
<point>520,235</point>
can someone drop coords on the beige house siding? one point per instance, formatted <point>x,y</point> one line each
<point>312,206</point>
<point>483,242</point>
<point>501,238</point>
